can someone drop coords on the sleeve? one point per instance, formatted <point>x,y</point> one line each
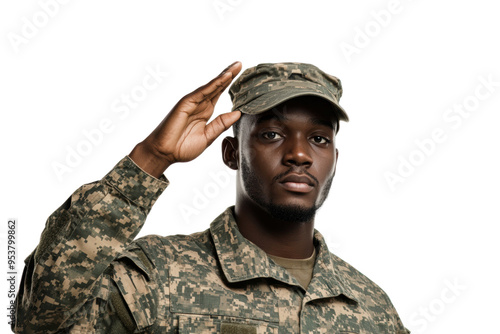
<point>396,320</point>
<point>71,279</point>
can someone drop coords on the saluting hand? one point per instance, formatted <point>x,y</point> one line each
<point>184,133</point>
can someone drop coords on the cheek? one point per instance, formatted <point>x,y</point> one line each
<point>325,169</point>
<point>263,157</point>
<point>249,152</point>
<point>268,166</point>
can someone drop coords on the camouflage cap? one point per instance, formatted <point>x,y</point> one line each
<point>265,86</point>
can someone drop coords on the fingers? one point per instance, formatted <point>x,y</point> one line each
<point>230,66</point>
<point>220,124</point>
<point>226,76</point>
<point>234,69</point>
<point>216,86</point>
<point>216,96</point>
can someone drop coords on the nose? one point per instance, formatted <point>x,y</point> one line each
<point>297,152</point>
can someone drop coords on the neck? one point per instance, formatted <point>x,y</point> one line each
<point>274,236</point>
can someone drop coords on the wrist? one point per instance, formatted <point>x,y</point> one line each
<point>149,160</point>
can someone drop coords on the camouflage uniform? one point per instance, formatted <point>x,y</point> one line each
<point>87,275</point>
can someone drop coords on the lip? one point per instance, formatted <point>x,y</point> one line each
<point>297,183</point>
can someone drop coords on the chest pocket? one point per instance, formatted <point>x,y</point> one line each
<point>209,306</point>
<point>205,324</point>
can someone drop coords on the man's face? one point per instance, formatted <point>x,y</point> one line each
<point>287,159</point>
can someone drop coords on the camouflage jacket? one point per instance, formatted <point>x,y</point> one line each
<point>88,275</point>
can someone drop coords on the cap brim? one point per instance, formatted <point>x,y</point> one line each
<point>273,98</point>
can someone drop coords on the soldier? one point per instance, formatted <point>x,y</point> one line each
<point>261,267</point>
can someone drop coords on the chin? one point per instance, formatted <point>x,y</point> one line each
<point>292,213</point>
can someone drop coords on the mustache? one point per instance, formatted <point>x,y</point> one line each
<point>297,171</point>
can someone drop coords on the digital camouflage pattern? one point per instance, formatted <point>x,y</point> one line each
<point>265,86</point>
<point>87,275</point>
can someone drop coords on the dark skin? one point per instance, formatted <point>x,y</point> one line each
<point>291,156</point>
<point>288,154</point>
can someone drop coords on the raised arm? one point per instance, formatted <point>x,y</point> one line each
<point>68,280</point>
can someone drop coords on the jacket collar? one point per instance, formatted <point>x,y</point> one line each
<point>242,260</point>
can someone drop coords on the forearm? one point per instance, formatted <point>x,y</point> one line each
<point>81,239</point>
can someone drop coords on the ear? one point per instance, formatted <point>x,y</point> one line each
<point>336,160</point>
<point>230,152</point>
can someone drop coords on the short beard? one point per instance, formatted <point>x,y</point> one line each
<point>291,213</point>
<point>286,213</point>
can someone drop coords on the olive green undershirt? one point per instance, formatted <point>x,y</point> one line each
<point>301,269</point>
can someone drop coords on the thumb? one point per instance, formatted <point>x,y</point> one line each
<point>220,124</point>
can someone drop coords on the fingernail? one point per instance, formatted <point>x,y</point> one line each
<point>227,68</point>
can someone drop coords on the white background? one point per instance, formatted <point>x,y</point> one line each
<point>435,229</point>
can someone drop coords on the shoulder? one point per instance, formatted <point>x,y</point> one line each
<point>361,286</point>
<point>158,251</point>
<point>368,293</point>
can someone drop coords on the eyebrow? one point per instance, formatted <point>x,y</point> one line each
<point>281,117</point>
<point>323,122</point>
<point>275,116</point>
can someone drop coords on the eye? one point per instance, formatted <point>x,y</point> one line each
<point>271,135</point>
<point>321,140</point>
